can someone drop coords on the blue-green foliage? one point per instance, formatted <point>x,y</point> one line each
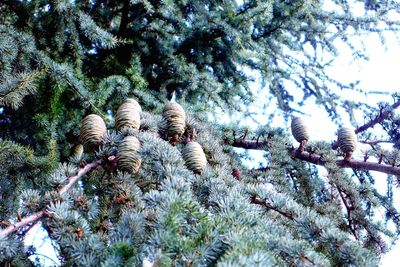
<point>165,214</point>
<point>62,60</point>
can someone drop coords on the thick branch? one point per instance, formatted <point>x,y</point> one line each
<point>354,164</point>
<point>317,159</point>
<point>242,143</point>
<point>24,222</point>
<point>40,214</point>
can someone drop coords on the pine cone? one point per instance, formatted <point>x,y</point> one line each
<point>299,129</point>
<point>128,115</point>
<point>174,121</point>
<point>92,130</point>
<point>134,102</point>
<point>347,140</point>
<point>128,157</point>
<point>194,157</point>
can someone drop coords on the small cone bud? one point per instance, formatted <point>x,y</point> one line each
<point>92,130</point>
<point>236,173</point>
<point>299,130</point>
<point>174,121</point>
<point>128,115</point>
<point>347,140</point>
<point>128,157</point>
<point>194,157</point>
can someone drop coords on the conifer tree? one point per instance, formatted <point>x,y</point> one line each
<point>93,150</point>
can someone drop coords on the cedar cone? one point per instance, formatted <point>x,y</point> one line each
<point>194,157</point>
<point>92,130</point>
<point>347,141</point>
<point>300,130</point>
<point>134,102</point>
<point>128,157</point>
<point>128,115</point>
<point>174,121</point>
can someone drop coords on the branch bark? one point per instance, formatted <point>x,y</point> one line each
<point>354,164</point>
<point>247,144</point>
<point>318,159</point>
<point>40,214</point>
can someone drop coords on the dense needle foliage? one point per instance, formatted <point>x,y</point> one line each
<point>62,60</point>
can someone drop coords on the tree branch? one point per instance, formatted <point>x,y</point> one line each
<point>264,203</point>
<point>378,119</point>
<point>247,144</point>
<point>268,206</point>
<point>40,214</point>
<point>373,142</point>
<point>354,164</point>
<point>348,209</point>
<point>318,159</point>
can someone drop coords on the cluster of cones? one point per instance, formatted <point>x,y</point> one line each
<point>347,139</point>
<point>172,128</point>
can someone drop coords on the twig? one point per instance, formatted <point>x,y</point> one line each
<point>24,82</point>
<point>40,214</point>
<point>267,205</point>
<point>260,169</point>
<point>378,119</point>
<point>374,142</point>
<point>348,209</point>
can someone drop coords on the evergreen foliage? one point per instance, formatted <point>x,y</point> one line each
<point>167,203</point>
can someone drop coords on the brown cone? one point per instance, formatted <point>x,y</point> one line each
<point>194,157</point>
<point>128,157</point>
<point>92,130</point>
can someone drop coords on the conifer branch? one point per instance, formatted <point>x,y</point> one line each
<point>318,159</point>
<point>85,98</point>
<point>33,218</point>
<point>382,116</point>
<point>281,23</point>
<point>378,119</point>
<point>26,80</point>
<point>13,97</point>
<point>247,144</point>
<point>354,164</point>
